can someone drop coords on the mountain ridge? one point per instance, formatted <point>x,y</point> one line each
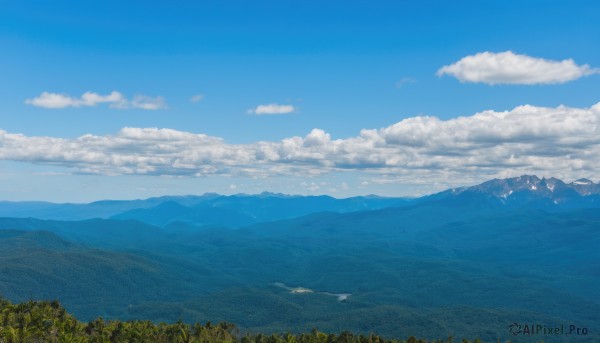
<point>530,191</point>
<point>239,210</point>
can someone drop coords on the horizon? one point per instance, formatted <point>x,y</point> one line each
<point>296,195</point>
<point>343,99</point>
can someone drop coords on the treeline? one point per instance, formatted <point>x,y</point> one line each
<point>43,321</point>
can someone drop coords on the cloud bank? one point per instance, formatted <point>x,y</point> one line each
<point>272,109</point>
<point>510,68</point>
<point>91,99</point>
<point>562,142</point>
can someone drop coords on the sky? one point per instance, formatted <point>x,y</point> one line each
<point>125,100</point>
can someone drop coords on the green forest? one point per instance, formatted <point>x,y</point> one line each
<point>45,321</point>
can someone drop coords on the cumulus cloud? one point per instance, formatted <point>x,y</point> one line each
<point>272,109</point>
<point>91,99</point>
<point>510,68</point>
<point>55,100</point>
<point>562,142</point>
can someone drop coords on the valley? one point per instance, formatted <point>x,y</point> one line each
<point>466,263</point>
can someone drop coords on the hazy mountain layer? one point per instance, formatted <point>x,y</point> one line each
<point>208,209</point>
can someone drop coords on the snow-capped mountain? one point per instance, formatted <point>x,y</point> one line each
<point>530,190</point>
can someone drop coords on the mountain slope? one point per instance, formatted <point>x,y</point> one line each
<point>242,210</point>
<point>531,192</point>
<point>88,281</point>
<point>92,232</point>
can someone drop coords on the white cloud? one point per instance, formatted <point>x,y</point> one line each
<point>148,103</point>
<point>510,68</point>
<point>562,142</point>
<point>197,98</point>
<point>271,109</point>
<point>91,99</point>
<point>55,100</point>
<point>316,137</point>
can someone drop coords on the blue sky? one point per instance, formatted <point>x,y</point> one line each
<point>341,67</point>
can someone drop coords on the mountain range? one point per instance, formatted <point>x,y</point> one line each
<point>242,209</point>
<point>208,209</point>
<point>465,262</point>
<point>532,192</point>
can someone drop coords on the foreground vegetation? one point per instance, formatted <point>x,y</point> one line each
<point>42,321</point>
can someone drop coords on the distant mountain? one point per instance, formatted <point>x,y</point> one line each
<point>209,209</point>
<point>528,191</point>
<point>97,209</point>
<point>495,195</point>
<point>202,215</point>
<point>91,232</point>
<point>242,210</point>
<point>235,211</point>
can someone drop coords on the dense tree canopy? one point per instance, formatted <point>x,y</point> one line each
<point>43,321</point>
